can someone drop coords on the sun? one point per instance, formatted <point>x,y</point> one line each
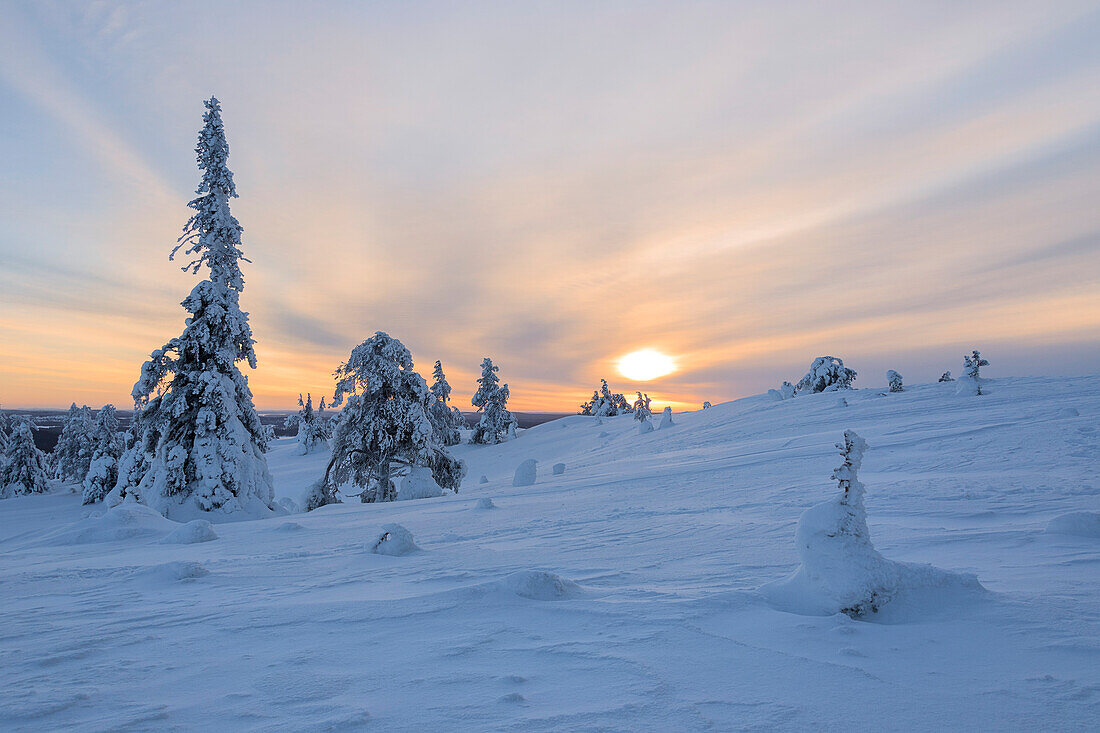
<point>646,364</point>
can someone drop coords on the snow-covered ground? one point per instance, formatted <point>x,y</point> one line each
<point>622,594</point>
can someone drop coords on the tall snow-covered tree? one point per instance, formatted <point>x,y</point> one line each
<point>384,429</point>
<point>202,440</point>
<point>496,424</point>
<point>23,470</point>
<point>447,421</point>
<point>106,450</point>
<point>73,453</point>
<point>827,374</point>
<point>894,380</point>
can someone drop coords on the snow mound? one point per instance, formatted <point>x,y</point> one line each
<point>645,426</point>
<point>1069,412</point>
<point>559,469</point>
<point>418,483</point>
<point>485,503</point>
<point>483,480</point>
<point>841,572</point>
<point>540,585</point>
<point>197,530</point>
<point>123,522</point>
<point>289,527</point>
<point>395,540</point>
<point>666,419</point>
<point>967,387</point>
<point>172,572</point>
<point>288,505</point>
<point>525,473</point>
<point>1081,524</point>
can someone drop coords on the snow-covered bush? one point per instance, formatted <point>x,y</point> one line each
<point>641,408</point>
<point>971,382</point>
<point>394,540</point>
<point>666,419</point>
<point>606,404</point>
<point>491,400</point>
<point>384,429</point>
<point>107,448</point>
<point>707,405</point>
<point>785,392</point>
<point>23,470</point>
<point>72,456</point>
<point>447,421</point>
<point>946,377</point>
<point>827,374</point>
<point>894,380</point>
<point>201,445</point>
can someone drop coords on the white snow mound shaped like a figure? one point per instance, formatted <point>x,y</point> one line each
<point>394,540</point>
<point>666,419</point>
<point>419,483</point>
<point>124,522</point>
<point>540,585</point>
<point>195,531</point>
<point>841,572</point>
<point>525,473</point>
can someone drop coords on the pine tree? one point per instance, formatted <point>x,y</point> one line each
<point>827,374</point>
<point>313,429</point>
<point>24,467</point>
<point>973,365</point>
<point>446,421</point>
<point>202,443</point>
<point>641,408</point>
<point>384,427</point>
<point>73,453</point>
<point>106,450</point>
<point>496,424</point>
<point>894,380</point>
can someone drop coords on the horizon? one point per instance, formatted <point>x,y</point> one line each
<point>555,187</point>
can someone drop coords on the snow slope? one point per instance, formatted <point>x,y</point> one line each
<point>620,595</point>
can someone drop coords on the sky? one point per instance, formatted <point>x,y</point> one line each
<point>741,186</point>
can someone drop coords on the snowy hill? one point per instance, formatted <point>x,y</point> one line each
<point>622,594</point>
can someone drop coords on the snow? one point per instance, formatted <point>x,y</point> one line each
<point>622,595</point>
<point>197,530</point>
<point>525,473</point>
<point>1082,524</point>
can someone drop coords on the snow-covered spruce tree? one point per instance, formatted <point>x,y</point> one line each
<point>707,405</point>
<point>641,408</point>
<point>106,450</point>
<point>446,420</point>
<point>72,455</point>
<point>384,429</point>
<point>946,377</point>
<point>606,404</point>
<point>894,380</point>
<point>827,374</point>
<point>973,380</point>
<point>202,443</point>
<point>23,470</point>
<point>313,431</point>
<point>491,400</point>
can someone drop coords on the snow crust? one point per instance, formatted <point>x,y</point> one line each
<point>622,595</point>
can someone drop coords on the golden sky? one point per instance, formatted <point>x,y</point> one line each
<point>740,186</point>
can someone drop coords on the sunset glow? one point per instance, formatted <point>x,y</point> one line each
<point>646,364</point>
<point>729,184</point>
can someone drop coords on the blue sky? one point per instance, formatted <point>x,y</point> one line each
<point>743,186</point>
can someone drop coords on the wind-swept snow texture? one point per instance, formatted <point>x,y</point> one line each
<point>618,596</point>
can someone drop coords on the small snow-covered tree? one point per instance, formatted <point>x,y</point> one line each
<point>707,405</point>
<point>384,427</point>
<point>73,453</point>
<point>446,420</point>
<point>641,407</point>
<point>23,470</point>
<point>827,374</point>
<point>107,448</point>
<point>313,429</point>
<point>973,365</point>
<point>496,423</point>
<point>946,377</point>
<point>202,444</point>
<point>604,403</point>
<point>894,380</point>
